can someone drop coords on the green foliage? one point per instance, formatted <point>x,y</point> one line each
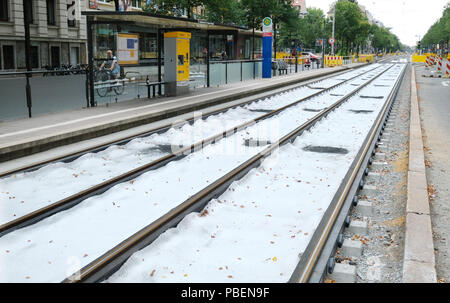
<point>352,27</point>
<point>225,12</point>
<point>439,32</point>
<point>307,29</point>
<point>383,39</point>
<point>172,7</point>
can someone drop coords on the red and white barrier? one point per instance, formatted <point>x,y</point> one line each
<point>439,65</point>
<point>447,70</point>
<point>427,62</point>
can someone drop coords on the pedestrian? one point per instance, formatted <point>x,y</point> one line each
<point>112,64</point>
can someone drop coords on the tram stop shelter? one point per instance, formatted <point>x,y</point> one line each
<point>219,54</point>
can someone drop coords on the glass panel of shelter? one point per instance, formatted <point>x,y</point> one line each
<point>222,47</point>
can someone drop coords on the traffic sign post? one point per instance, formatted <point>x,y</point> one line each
<point>331,41</point>
<point>267,25</point>
<point>267,48</point>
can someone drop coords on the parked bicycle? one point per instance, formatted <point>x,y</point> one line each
<point>64,70</point>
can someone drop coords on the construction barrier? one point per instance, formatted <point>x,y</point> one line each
<point>334,61</point>
<point>447,70</point>
<point>439,65</point>
<point>366,58</point>
<point>416,58</point>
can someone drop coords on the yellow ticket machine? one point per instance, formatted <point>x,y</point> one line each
<point>176,62</point>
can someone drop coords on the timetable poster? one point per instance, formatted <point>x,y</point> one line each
<point>128,48</point>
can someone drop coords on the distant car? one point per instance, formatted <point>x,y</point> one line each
<point>313,57</point>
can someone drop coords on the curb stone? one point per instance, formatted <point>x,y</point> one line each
<point>419,261</point>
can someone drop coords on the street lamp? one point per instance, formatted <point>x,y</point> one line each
<point>300,15</point>
<point>334,21</point>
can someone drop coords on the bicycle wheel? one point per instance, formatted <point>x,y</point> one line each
<point>119,88</point>
<point>102,77</point>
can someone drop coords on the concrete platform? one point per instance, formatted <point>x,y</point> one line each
<point>23,137</point>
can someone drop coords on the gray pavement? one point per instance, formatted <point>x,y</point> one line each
<point>434,104</point>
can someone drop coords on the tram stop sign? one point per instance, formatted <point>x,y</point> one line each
<point>331,40</point>
<point>267,24</point>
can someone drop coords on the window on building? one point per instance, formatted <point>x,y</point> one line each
<point>4,10</point>
<point>29,8</point>
<point>54,56</point>
<point>51,20</point>
<point>148,47</point>
<point>34,57</point>
<point>136,3</point>
<point>74,56</point>
<point>71,14</point>
<point>105,39</point>
<point>8,57</point>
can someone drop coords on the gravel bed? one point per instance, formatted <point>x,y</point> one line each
<point>383,246</point>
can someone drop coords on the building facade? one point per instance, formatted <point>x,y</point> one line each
<point>300,5</point>
<point>58,33</point>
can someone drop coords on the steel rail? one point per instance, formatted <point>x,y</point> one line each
<point>309,269</point>
<point>100,147</point>
<point>105,265</point>
<point>100,188</point>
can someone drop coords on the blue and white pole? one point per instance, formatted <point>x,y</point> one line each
<point>267,48</point>
<point>267,55</point>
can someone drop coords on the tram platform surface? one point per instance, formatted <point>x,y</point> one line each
<point>69,129</point>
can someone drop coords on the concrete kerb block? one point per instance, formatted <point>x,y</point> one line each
<point>416,161</point>
<point>417,197</point>
<point>368,189</point>
<point>418,239</point>
<point>373,176</point>
<point>364,208</point>
<point>419,260</point>
<point>418,272</point>
<point>358,228</point>
<point>343,273</point>
<point>351,248</point>
<point>380,156</point>
<point>378,163</point>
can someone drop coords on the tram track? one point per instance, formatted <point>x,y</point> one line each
<point>108,263</point>
<point>69,157</point>
<point>115,257</point>
<point>318,259</point>
<point>72,200</point>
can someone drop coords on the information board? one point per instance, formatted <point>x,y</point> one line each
<point>128,48</point>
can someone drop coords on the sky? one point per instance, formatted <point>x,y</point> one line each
<point>407,18</point>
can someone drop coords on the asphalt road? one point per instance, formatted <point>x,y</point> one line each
<point>434,103</point>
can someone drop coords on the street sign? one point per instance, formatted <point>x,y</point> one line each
<point>331,40</point>
<point>319,42</point>
<point>267,24</point>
